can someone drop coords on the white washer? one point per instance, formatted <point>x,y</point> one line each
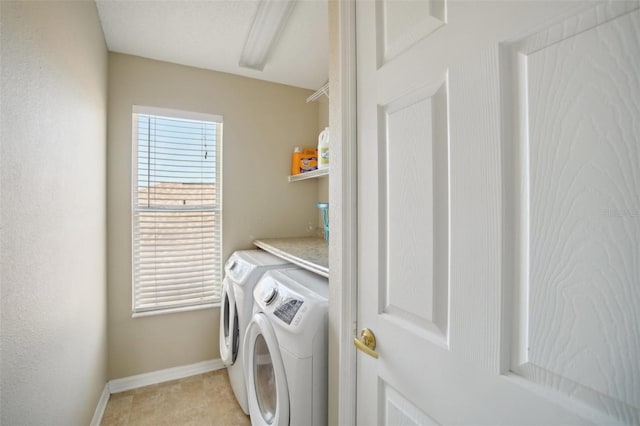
<point>285,350</point>
<point>243,269</point>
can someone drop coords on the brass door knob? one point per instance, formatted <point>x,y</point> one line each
<point>366,342</point>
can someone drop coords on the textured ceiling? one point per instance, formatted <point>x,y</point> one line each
<point>211,34</point>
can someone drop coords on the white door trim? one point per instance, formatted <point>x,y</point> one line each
<point>343,215</point>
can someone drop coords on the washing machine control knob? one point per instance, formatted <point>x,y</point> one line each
<point>271,295</point>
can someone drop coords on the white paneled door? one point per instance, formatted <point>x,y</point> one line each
<point>499,212</point>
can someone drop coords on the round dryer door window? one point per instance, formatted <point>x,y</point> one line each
<point>229,327</point>
<point>235,336</point>
<point>267,390</point>
<point>225,313</point>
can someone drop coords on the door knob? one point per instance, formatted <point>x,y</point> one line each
<point>366,342</point>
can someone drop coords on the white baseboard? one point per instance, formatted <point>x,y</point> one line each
<point>102,404</point>
<point>154,377</point>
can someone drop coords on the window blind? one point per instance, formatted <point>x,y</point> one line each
<point>177,210</point>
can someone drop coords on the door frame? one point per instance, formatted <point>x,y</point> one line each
<point>343,244</point>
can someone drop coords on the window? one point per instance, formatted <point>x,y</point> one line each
<point>177,214</point>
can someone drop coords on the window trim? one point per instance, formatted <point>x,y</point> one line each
<point>186,115</point>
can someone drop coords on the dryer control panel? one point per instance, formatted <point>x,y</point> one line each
<point>237,269</point>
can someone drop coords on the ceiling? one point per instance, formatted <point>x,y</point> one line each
<point>211,34</point>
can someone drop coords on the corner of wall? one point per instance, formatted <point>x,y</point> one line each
<point>53,180</point>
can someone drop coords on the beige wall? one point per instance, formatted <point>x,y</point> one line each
<point>263,122</point>
<point>53,192</point>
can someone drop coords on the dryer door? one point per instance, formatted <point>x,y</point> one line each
<point>229,331</point>
<point>267,388</point>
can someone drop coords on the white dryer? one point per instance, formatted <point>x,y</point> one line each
<point>285,350</point>
<point>243,269</point>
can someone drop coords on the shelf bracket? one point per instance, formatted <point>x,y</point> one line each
<point>324,90</point>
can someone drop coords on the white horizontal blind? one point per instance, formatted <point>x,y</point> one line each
<point>177,211</point>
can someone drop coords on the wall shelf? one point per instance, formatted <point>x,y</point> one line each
<point>309,175</point>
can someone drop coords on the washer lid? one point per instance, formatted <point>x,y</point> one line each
<point>267,388</point>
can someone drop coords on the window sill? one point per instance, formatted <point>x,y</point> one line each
<point>174,310</point>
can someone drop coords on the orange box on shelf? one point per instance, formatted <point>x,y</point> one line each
<point>304,161</point>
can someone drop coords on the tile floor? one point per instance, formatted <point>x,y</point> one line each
<point>204,399</point>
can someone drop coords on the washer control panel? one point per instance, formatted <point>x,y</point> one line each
<point>288,310</point>
<point>289,300</point>
<point>270,295</point>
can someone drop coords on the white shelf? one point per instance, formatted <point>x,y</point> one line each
<point>309,175</point>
